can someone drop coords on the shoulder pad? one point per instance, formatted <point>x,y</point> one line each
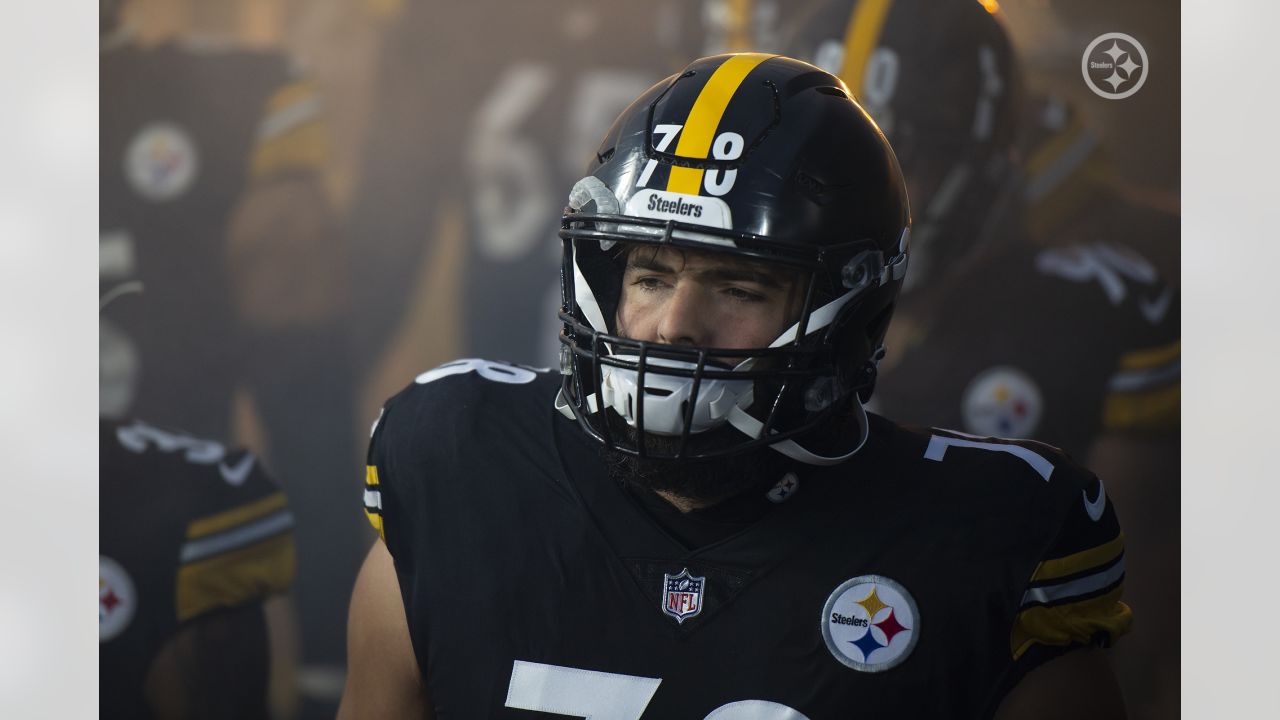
<point>444,411</point>
<point>1038,459</point>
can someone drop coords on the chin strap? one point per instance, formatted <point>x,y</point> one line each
<point>751,427</point>
<point>563,405</point>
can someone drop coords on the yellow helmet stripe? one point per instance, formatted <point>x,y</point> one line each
<point>704,118</point>
<point>861,36</point>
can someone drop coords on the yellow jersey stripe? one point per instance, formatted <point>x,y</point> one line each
<point>236,516</point>
<point>1079,562</point>
<point>235,578</point>
<point>376,521</point>
<point>700,127</point>
<point>1154,410</point>
<point>305,147</point>
<point>1074,623</point>
<point>289,94</point>
<point>292,135</point>
<point>1154,357</point>
<point>860,38</point>
<point>373,505</point>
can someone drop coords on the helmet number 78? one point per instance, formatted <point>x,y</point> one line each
<point>728,145</point>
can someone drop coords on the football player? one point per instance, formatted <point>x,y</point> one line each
<point>696,517</point>
<point>193,541</point>
<point>213,156</point>
<point>1035,307</point>
<point>213,200</point>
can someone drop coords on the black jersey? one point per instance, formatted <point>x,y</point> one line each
<point>186,527</point>
<point>183,128</point>
<point>1057,344</point>
<point>922,578</point>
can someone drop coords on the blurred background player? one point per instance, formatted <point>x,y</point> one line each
<point>193,540</point>
<point>213,201</point>
<point>460,170</point>
<point>1064,333</point>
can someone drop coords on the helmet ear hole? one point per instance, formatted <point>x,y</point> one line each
<point>865,380</point>
<point>859,342</point>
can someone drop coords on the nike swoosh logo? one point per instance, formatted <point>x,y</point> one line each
<point>1099,504</point>
<point>235,475</point>
<point>1154,310</point>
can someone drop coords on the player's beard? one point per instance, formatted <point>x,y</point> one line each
<point>704,482</point>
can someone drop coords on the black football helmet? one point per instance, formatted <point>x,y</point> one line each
<point>942,80</point>
<point>756,157</point>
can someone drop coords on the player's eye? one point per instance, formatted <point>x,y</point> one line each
<point>742,295</point>
<point>649,283</point>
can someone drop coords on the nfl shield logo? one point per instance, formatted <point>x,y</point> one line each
<point>682,595</point>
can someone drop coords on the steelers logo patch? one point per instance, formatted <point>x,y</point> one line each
<point>161,162</point>
<point>1002,401</point>
<point>117,599</point>
<point>871,623</point>
<point>784,489</point>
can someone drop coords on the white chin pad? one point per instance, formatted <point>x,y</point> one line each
<point>666,395</point>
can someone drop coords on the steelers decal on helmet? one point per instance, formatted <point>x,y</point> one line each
<point>663,205</point>
<point>117,599</point>
<point>161,162</point>
<point>870,623</point>
<point>1002,401</point>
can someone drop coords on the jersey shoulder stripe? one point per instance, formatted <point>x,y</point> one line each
<point>373,500</point>
<point>236,556</point>
<point>440,424</point>
<point>1146,390</point>
<point>1073,597</point>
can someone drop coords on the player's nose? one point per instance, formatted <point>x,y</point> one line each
<point>683,320</point>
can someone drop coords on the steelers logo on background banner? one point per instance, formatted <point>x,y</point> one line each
<point>1002,401</point>
<point>161,162</point>
<point>117,599</point>
<point>871,623</point>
